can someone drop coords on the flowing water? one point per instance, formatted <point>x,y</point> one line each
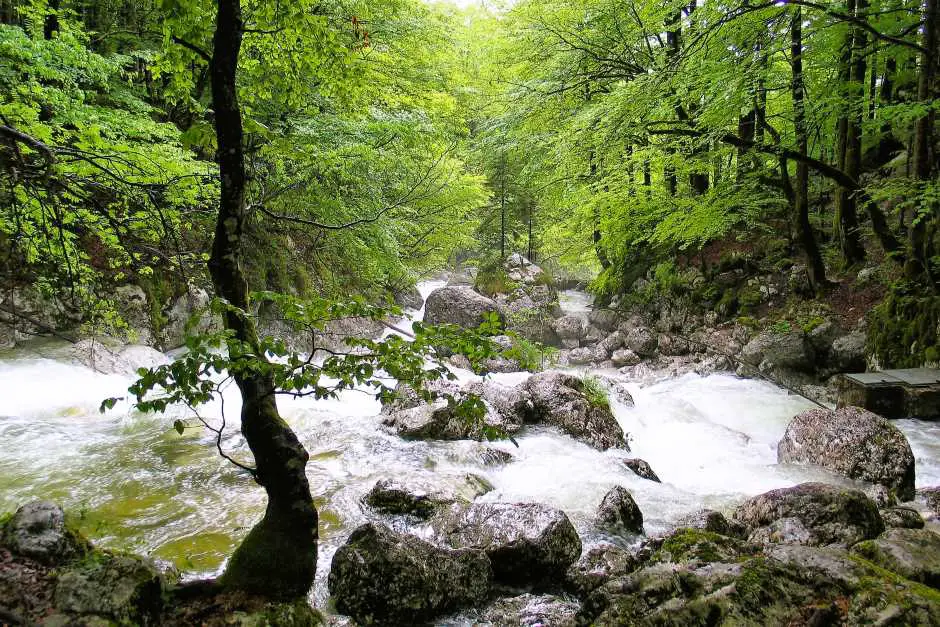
<point>136,484</point>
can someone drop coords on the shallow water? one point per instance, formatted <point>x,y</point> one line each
<point>136,484</point>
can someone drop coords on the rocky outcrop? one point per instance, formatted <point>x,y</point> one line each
<point>640,340</point>
<point>854,443</point>
<point>521,270</point>
<point>912,553</point>
<point>619,513</point>
<point>459,305</point>
<point>382,577</point>
<point>409,298</point>
<point>511,405</point>
<point>530,312</point>
<point>641,469</point>
<point>930,497</point>
<point>813,514</point>
<point>50,574</point>
<point>558,399</point>
<point>422,499</point>
<point>570,329</point>
<point>526,543</point>
<point>725,582</point>
<point>604,319</point>
<point>786,357</point>
<point>902,518</point>
<point>187,315</point>
<point>531,610</point>
<point>597,566</point>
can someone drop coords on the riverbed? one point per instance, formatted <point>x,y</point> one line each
<point>135,484</point>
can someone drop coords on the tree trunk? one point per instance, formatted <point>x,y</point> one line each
<point>804,231</point>
<point>673,33</point>
<point>849,141</point>
<point>502,208</point>
<point>278,557</point>
<point>921,241</point>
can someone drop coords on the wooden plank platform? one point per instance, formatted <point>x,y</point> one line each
<point>902,393</point>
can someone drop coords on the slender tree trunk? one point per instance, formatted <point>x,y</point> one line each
<point>804,231</point>
<point>849,141</point>
<point>921,242</point>
<point>673,34</point>
<point>279,555</point>
<point>51,24</point>
<point>502,208</point>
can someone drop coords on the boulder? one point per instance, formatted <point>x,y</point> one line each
<point>38,531</point>
<point>531,610</point>
<point>459,305</point>
<point>613,342</point>
<point>616,389</point>
<point>930,497</point>
<point>124,588</point>
<point>581,356</point>
<point>604,319</point>
<point>911,553</point>
<point>706,520</point>
<point>640,340</point>
<point>784,585</point>
<point>409,298</point>
<point>462,277</point>
<point>853,442</point>
<point>558,399</point>
<point>625,357</point>
<point>813,514</point>
<point>188,314</point>
<point>619,513</point>
<point>570,327</point>
<point>902,518</point>
<point>847,353</point>
<point>526,543</point>
<point>597,566</point>
<point>779,354</point>
<point>422,498</point>
<point>382,577</point>
<point>641,469</point>
<point>672,346</point>
<point>509,406</point>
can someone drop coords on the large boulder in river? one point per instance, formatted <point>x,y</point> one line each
<point>527,543</point>
<point>640,340</point>
<point>530,312</point>
<point>641,468</point>
<point>810,514</point>
<point>853,442</point>
<point>458,305</point>
<point>383,577</point>
<point>619,513</point>
<point>422,498</point>
<point>559,399</point>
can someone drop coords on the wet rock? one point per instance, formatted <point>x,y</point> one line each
<point>458,305</point>
<point>811,513</point>
<point>106,356</point>
<point>429,421</point>
<point>495,457</point>
<point>593,335</point>
<point>788,585</point>
<point>382,577</point>
<point>696,546</point>
<point>706,520</point>
<point>847,353</point>
<point>779,354</point>
<point>930,497</point>
<point>409,298</point>
<point>422,498</point>
<point>616,389</point>
<point>597,566</point>
<point>640,340</point>
<point>124,588</point>
<point>672,346</point>
<point>531,610</point>
<point>38,531</point>
<point>570,327</point>
<point>902,518</point>
<point>911,553</point>
<point>641,469</point>
<point>625,357</point>
<point>604,319</point>
<point>526,542</point>
<point>613,342</point>
<point>558,399</point>
<point>852,442</point>
<point>581,356</point>
<point>619,513</point>
<point>510,405</point>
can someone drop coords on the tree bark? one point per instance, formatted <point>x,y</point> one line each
<point>278,557</point>
<point>849,140</point>
<point>921,241</point>
<point>804,231</point>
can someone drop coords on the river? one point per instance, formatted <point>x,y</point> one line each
<point>135,484</point>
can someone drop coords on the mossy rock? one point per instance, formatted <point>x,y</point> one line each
<point>696,545</point>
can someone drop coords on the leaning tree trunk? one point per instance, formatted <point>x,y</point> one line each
<point>804,231</point>
<point>279,556</point>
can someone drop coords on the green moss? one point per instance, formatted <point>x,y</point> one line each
<point>749,298</point>
<point>697,545</point>
<point>902,331</point>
